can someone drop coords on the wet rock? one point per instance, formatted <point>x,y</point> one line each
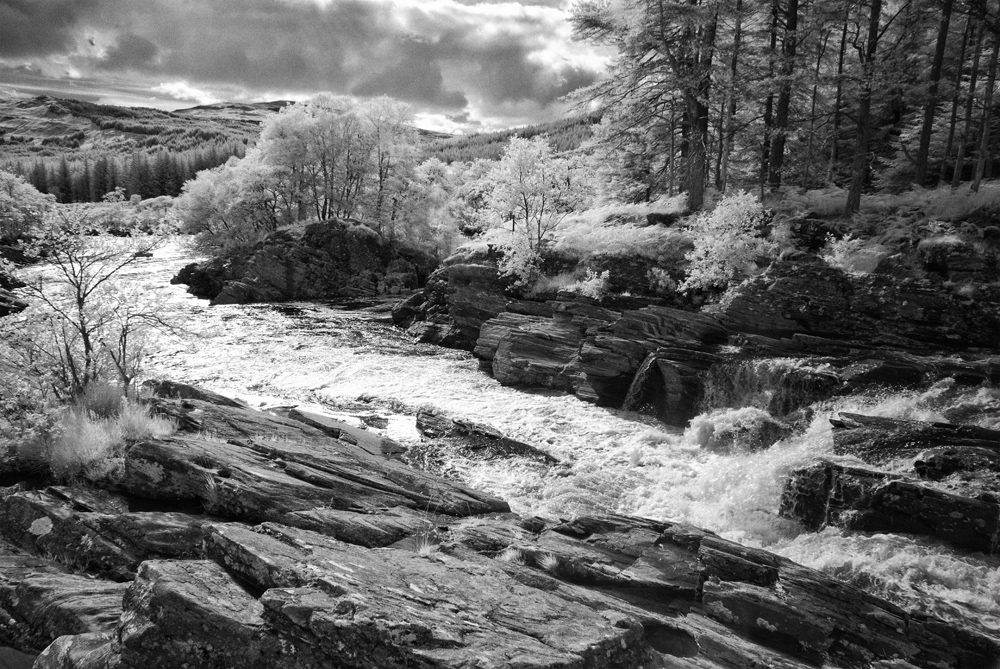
<point>670,384</point>
<point>779,386</point>
<point>372,444</point>
<point>473,438</point>
<point>873,501</point>
<point>404,313</point>
<point>941,462</point>
<point>10,304</point>
<point>257,466</point>
<point>174,390</point>
<point>876,439</point>
<point>738,430</point>
<point>204,279</point>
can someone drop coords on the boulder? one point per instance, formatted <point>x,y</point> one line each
<point>10,304</point>
<point>204,279</point>
<point>872,501</point>
<point>321,260</point>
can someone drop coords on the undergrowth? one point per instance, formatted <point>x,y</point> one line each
<point>87,440</point>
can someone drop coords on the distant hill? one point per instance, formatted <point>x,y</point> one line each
<point>564,135</point>
<point>44,126</point>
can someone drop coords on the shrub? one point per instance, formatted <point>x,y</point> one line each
<point>621,229</point>
<point>853,255</point>
<point>595,286</point>
<point>727,242</point>
<point>82,444</point>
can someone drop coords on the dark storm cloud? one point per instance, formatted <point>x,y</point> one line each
<point>413,75</point>
<point>40,27</point>
<point>131,51</point>
<point>437,54</point>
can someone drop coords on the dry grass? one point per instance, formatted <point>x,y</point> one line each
<point>84,444</point>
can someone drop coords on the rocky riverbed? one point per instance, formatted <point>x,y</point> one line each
<point>350,369</point>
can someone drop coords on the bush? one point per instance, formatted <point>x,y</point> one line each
<point>595,286</point>
<point>83,444</point>
<point>852,255</point>
<point>727,243</point>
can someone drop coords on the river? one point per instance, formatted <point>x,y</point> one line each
<point>355,363</point>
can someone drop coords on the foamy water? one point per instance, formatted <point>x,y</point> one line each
<point>610,461</point>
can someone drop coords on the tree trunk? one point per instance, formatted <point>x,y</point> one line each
<point>696,109</point>
<point>835,131</point>
<point>765,154</point>
<point>812,111</point>
<point>932,90</point>
<point>956,177</point>
<point>955,94</point>
<point>729,125</point>
<point>984,126</point>
<point>859,169</point>
<point>789,44</point>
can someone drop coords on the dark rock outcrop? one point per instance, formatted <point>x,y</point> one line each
<point>457,299</point>
<point>475,439</point>
<point>839,333</point>
<point>803,294</point>
<point>324,260</point>
<point>872,501</point>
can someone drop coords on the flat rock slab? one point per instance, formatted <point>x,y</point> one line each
<point>253,466</point>
<point>45,524</point>
<point>371,443</point>
<point>399,608</point>
<point>876,439</point>
<point>39,602</point>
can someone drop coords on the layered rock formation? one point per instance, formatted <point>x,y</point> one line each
<point>799,332</point>
<point>325,260</point>
<point>254,540</point>
<point>951,490</point>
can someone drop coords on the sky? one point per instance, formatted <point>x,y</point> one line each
<point>463,65</point>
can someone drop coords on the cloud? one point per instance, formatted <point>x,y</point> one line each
<point>40,27</point>
<point>181,90</point>
<point>443,56</point>
<point>131,51</point>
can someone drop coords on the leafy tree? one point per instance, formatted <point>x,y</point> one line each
<point>532,190</point>
<point>22,207</point>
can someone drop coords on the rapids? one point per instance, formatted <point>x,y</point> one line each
<point>355,362</point>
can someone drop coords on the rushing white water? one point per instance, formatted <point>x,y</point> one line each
<point>331,359</point>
